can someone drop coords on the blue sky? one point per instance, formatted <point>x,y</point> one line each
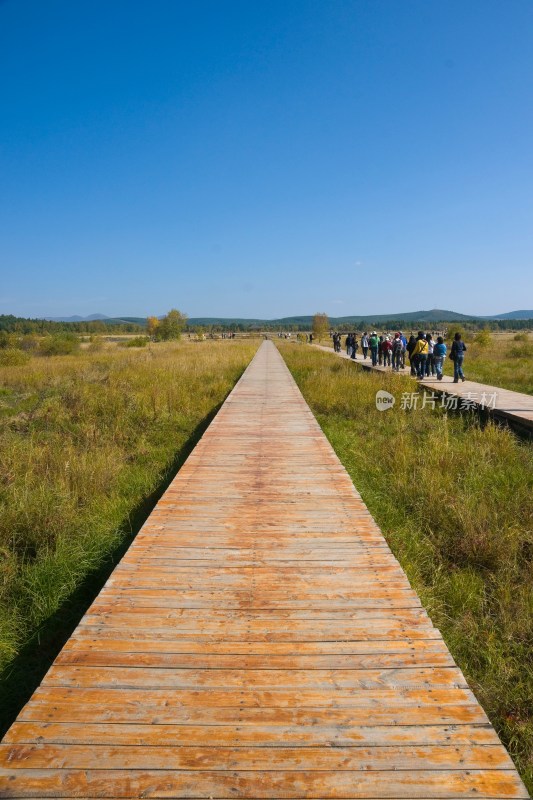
<point>265,158</point>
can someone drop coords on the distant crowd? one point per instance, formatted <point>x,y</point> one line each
<point>425,353</point>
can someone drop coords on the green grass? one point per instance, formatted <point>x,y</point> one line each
<point>86,442</point>
<point>455,502</point>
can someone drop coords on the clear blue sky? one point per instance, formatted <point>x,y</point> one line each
<point>265,158</point>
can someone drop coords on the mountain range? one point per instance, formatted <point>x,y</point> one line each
<point>434,315</point>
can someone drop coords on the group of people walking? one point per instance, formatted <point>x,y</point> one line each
<point>426,355</point>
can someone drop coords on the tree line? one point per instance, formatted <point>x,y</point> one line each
<point>21,325</point>
<point>322,325</point>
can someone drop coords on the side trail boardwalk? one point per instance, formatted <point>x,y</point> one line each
<point>514,408</point>
<point>258,640</point>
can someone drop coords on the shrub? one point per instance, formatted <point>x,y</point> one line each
<point>483,338</point>
<point>61,344</point>
<point>521,351</point>
<point>454,330</point>
<point>95,344</point>
<point>171,326</point>
<point>30,342</point>
<point>13,358</point>
<point>137,341</point>
<point>521,337</point>
<point>8,340</point>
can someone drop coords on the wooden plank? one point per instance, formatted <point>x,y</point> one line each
<point>132,643</point>
<point>140,677</point>
<point>376,630</point>
<point>271,617</point>
<point>256,735</point>
<point>157,711</point>
<point>314,784</point>
<point>178,699</point>
<point>281,757</point>
<point>258,640</point>
<point>104,657</point>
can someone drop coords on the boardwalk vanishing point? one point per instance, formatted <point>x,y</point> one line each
<point>258,640</point>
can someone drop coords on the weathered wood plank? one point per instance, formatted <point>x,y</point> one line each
<point>140,677</point>
<point>311,663</point>
<point>341,784</point>
<point>160,712</point>
<point>279,698</point>
<point>279,757</point>
<point>125,642</point>
<point>256,735</point>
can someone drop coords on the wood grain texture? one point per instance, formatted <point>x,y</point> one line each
<point>258,640</point>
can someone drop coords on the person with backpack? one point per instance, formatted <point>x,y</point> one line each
<point>457,355</point>
<point>374,346</point>
<point>348,344</point>
<point>355,346</point>
<point>364,344</point>
<point>419,355</point>
<point>398,351</point>
<point>411,344</point>
<point>439,354</point>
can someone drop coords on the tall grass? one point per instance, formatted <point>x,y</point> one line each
<point>455,502</point>
<point>504,362</point>
<point>84,439</point>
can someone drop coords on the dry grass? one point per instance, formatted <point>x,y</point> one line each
<point>455,502</point>
<point>504,362</point>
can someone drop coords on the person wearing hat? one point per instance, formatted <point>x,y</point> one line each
<point>386,348</point>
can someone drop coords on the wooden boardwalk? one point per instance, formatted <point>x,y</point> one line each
<point>513,407</point>
<point>258,640</point>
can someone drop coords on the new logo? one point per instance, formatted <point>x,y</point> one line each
<point>384,400</point>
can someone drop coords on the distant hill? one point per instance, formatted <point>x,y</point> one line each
<point>513,315</point>
<point>434,315</point>
<point>77,318</point>
<point>99,318</point>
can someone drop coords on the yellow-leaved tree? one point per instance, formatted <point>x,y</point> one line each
<point>320,326</point>
<point>152,326</point>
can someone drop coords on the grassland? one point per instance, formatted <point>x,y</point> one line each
<point>504,362</point>
<point>455,503</point>
<point>85,442</point>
